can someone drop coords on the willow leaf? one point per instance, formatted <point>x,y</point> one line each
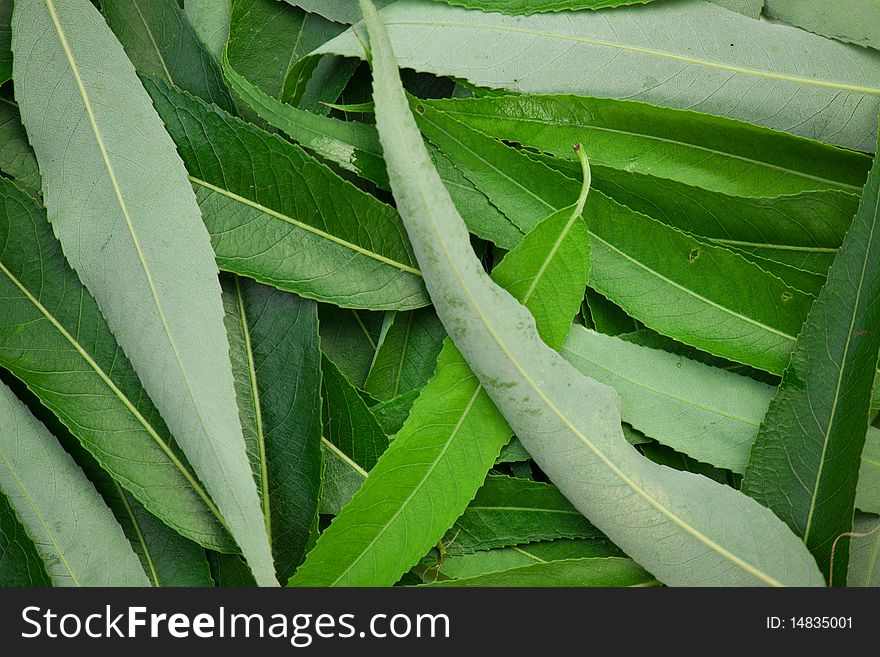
<point>392,414</point>
<point>262,50</point>
<point>17,159</point>
<point>591,571</point>
<point>349,338</point>
<point>20,563</point>
<point>528,7</point>
<point>864,551</point>
<point>114,190</point>
<point>408,355</point>
<point>341,479</point>
<point>855,21</point>
<point>74,532</point>
<point>453,434</point>
<point>676,54</point>
<point>348,423</point>
<point>5,40</point>
<point>459,566</point>
<point>161,43</point>
<point>276,362</point>
<point>697,149</point>
<point>637,259</point>
<point>750,8</point>
<point>230,571</point>
<point>278,216</point>
<point>570,423</point>
<point>210,20</point>
<point>341,11</point>
<point>805,462</point>
<point>512,511</point>
<point>868,491</point>
<point>70,360</point>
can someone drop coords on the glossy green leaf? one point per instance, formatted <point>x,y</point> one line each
<point>20,563</point>
<point>511,511</point>
<point>17,160</point>
<point>459,566</point>
<point>407,356</point>
<point>348,422</point>
<point>855,21</point>
<point>268,42</point>
<point>702,150</point>
<point>637,260</point>
<point>805,462</point>
<point>210,20</point>
<point>161,43</point>
<point>74,532</point>
<point>276,362</point>
<point>593,571</point>
<point>671,53</point>
<point>349,338</point>
<point>114,187</point>
<point>68,357</point>
<point>864,552</point>
<point>277,215</point>
<point>570,423</point>
<point>452,436</point>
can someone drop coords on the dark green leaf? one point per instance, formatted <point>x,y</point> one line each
<point>349,338</point>
<point>597,571</point>
<point>16,157</point>
<point>20,563</point>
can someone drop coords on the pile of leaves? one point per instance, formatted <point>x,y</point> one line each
<point>586,293</point>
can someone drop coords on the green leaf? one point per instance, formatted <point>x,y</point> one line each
<point>392,414</point>
<point>528,7</point>
<point>276,362</point>
<point>20,563</point>
<point>452,436</point>
<point>161,43</point>
<point>864,552</point>
<point>637,260</point>
<point>598,571</point>
<point>54,339</point>
<point>459,566</point>
<point>16,157</point>
<point>341,11</point>
<point>706,412</point>
<point>805,462</point>
<point>855,21</point>
<point>341,479</point>
<point>349,338</point>
<point>210,20</point>
<point>407,356</point>
<point>511,511</point>
<point>750,8</point>
<point>868,491</point>
<point>278,216</point>
<point>114,190</point>
<point>230,571</point>
<point>5,39</point>
<point>268,42</point>
<point>608,317</point>
<point>348,422</point>
<point>74,532</point>
<point>569,423</point>
<point>673,54</point>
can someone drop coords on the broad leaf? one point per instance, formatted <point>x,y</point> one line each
<point>702,150</point>
<point>805,462</point>
<point>570,423</point>
<point>210,19</point>
<point>677,54</point>
<point>114,189</point>
<point>20,563</point>
<point>17,160</point>
<point>407,356</point>
<point>855,21</point>
<point>593,571</point>
<point>161,43</point>
<point>452,436</point>
<point>510,511</point>
<point>277,215</point>
<point>276,362</point>
<point>348,423</point>
<point>74,532</point>
<point>54,338</point>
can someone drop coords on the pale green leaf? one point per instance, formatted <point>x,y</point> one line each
<point>685,529</point>
<point>864,552</point>
<point>210,19</point>
<point>115,188</point>
<point>591,571</point>
<point>855,21</point>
